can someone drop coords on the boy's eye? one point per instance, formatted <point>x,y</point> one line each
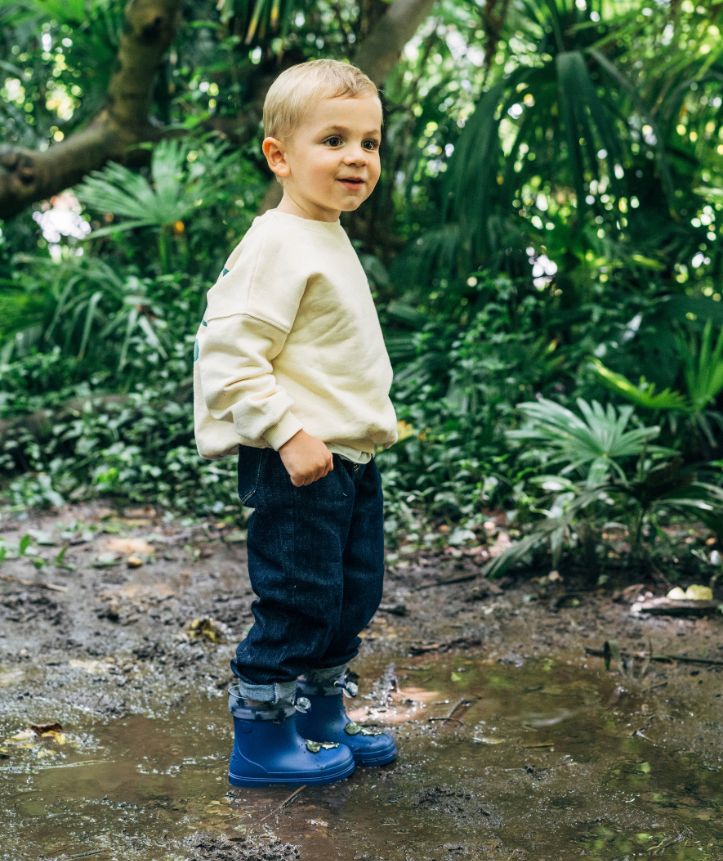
<point>334,140</point>
<point>370,144</point>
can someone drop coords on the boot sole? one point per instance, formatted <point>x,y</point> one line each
<point>381,759</point>
<point>311,779</point>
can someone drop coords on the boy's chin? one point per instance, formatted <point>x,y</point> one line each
<point>351,205</point>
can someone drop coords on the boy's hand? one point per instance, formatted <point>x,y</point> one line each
<point>306,458</point>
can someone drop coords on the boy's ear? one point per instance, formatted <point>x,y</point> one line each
<point>275,154</point>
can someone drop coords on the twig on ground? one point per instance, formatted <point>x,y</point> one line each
<point>285,803</point>
<point>674,607</point>
<point>449,582</point>
<point>87,854</point>
<point>668,659</point>
<point>460,704</point>
<point>39,584</point>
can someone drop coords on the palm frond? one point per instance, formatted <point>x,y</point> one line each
<point>176,188</point>
<point>595,440</point>
<point>702,366</point>
<point>642,394</point>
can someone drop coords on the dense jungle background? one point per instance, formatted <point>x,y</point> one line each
<point>542,248</point>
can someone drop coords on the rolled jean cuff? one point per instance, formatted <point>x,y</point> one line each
<point>326,676</point>
<point>327,682</point>
<point>275,692</point>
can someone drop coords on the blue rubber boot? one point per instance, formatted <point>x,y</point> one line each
<point>327,719</point>
<point>268,749</point>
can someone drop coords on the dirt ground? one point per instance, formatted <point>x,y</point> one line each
<point>116,627</point>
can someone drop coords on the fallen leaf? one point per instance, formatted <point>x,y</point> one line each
<point>46,753</point>
<point>44,538</point>
<point>58,737</point>
<point>41,729</point>
<point>692,593</point>
<point>25,735</point>
<point>699,593</point>
<point>206,628</point>
<point>106,560</point>
<point>129,546</point>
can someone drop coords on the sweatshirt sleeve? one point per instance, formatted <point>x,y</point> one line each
<point>251,310</point>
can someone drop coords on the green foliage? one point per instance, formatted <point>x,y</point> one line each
<point>594,442</point>
<point>572,143</point>
<point>620,477</point>
<point>261,20</point>
<point>697,365</point>
<point>703,367</point>
<point>176,190</point>
<point>90,311</point>
<point>134,447</point>
<point>643,394</point>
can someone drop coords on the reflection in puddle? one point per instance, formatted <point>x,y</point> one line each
<point>527,762</point>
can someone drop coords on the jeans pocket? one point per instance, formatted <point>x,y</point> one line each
<point>250,462</point>
<point>328,487</point>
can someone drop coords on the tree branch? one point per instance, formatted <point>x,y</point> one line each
<point>150,27</point>
<point>26,175</point>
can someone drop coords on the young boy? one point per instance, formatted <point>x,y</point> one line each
<point>291,371</point>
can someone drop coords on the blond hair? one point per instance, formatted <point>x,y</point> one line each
<point>298,87</point>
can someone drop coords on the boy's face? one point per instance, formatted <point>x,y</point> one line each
<point>330,163</point>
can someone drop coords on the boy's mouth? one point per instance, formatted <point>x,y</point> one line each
<point>352,182</point>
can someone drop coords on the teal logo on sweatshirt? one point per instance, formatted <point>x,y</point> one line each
<point>196,346</point>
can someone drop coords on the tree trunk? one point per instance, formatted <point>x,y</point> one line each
<point>27,176</point>
<point>381,49</point>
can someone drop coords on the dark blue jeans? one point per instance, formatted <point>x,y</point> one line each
<point>316,564</point>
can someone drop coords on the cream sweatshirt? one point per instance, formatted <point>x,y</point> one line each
<point>290,340</point>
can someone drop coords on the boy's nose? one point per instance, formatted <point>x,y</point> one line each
<point>356,155</point>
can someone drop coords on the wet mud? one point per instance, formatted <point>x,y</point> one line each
<point>515,743</point>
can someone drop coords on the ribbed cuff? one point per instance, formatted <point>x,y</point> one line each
<point>282,432</point>
<point>245,709</point>
<point>273,693</point>
<point>325,676</point>
<point>329,682</point>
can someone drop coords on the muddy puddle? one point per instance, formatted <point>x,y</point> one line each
<point>536,759</point>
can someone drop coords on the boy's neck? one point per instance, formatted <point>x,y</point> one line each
<point>291,207</point>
